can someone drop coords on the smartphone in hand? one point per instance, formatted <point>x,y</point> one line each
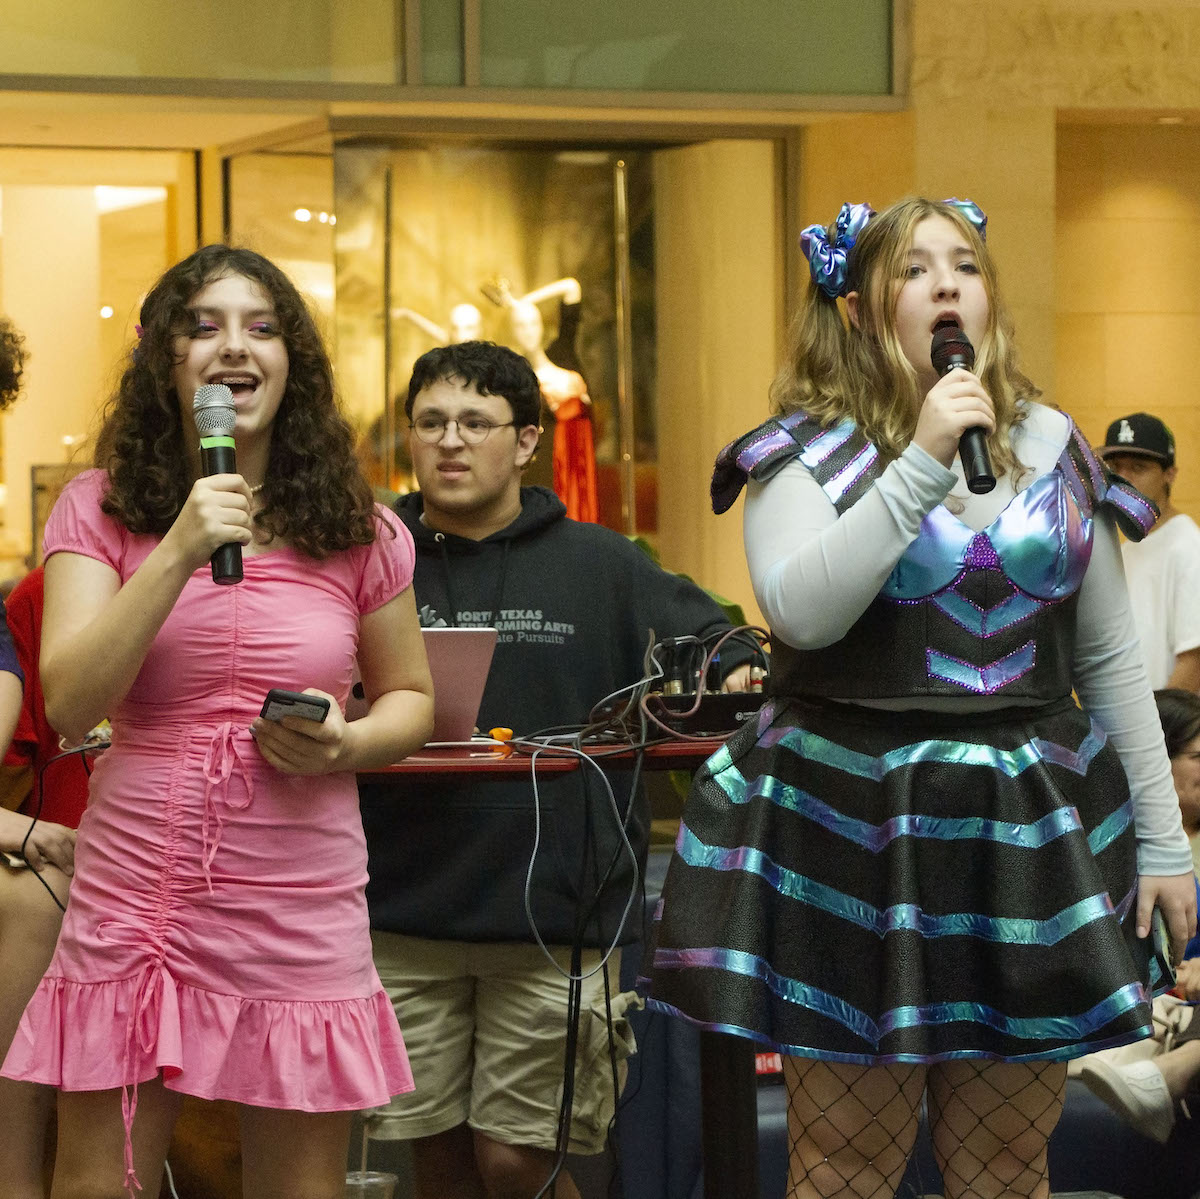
<point>280,703</point>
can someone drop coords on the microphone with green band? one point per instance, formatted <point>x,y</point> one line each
<point>214,413</point>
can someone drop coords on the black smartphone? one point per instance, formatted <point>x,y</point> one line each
<point>1160,950</point>
<point>280,703</point>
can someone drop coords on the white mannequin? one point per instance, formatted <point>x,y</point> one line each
<point>529,331</point>
<point>466,324</point>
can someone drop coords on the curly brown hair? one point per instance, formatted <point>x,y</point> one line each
<point>12,362</point>
<point>315,495</point>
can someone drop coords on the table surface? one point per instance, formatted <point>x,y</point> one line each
<point>485,759</point>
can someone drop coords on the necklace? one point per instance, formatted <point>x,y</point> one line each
<point>256,490</point>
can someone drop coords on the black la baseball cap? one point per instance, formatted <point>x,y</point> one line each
<point>1140,434</point>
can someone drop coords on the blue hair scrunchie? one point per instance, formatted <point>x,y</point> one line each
<point>826,259</point>
<point>974,214</point>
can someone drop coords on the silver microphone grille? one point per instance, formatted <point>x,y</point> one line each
<point>213,410</point>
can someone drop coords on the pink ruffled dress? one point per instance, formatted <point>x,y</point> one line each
<point>217,930</point>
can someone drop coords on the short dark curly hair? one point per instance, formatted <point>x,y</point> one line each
<point>315,495</point>
<point>491,369</point>
<point>1179,713</point>
<point>12,362</point>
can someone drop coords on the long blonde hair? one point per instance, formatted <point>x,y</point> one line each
<point>835,369</point>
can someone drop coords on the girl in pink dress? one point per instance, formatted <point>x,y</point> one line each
<point>216,941</point>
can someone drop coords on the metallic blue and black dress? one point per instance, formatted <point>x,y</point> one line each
<point>871,886</point>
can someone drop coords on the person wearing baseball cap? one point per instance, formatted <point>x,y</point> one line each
<point>1163,570</point>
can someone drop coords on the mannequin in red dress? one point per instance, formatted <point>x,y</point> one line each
<point>563,390</point>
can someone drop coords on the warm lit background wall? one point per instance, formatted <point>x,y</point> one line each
<point>1127,267</point>
<point>719,288</point>
<point>1044,111</point>
<point>1050,115</point>
<point>81,236</point>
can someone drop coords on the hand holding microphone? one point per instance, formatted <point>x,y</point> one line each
<point>212,509</point>
<point>957,409</point>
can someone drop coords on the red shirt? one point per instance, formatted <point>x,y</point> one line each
<point>35,743</point>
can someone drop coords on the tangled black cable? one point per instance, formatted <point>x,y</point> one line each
<point>624,716</point>
<point>83,751</point>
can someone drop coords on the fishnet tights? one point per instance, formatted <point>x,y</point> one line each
<point>990,1123</point>
<point>851,1128</point>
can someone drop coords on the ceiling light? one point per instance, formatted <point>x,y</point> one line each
<point>302,214</point>
<point>105,312</point>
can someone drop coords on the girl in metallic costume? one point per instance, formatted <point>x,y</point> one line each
<point>924,868</point>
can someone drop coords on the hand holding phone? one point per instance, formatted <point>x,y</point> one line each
<point>313,743</point>
<point>280,703</point>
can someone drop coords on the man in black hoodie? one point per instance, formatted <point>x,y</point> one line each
<point>482,1008</point>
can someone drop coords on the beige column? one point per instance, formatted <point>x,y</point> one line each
<point>1004,160</point>
<point>718,290</point>
<point>211,196</point>
<point>854,160</point>
<point>50,276</point>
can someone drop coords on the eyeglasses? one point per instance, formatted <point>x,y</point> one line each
<point>474,430</point>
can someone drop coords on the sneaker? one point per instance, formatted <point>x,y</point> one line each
<point>1136,1091</point>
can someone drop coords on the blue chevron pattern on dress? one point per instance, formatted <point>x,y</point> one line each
<point>1063,1028</point>
<point>815,748</point>
<point>1076,760</point>
<point>1133,505</point>
<point>877,837</point>
<point>1011,611</point>
<point>1110,828</point>
<point>983,680</point>
<point>1127,901</point>
<point>827,443</point>
<point>901,917</point>
<point>849,475</point>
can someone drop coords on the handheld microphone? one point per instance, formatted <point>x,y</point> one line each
<point>214,414</point>
<point>952,348</point>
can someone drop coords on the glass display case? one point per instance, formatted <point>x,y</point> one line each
<point>546,250</point>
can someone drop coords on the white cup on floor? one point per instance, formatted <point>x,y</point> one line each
<point>370,1184</point>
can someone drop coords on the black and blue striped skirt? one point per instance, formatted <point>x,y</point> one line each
<point>867,886</point>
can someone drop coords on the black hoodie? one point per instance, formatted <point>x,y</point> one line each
<point>574,604</point>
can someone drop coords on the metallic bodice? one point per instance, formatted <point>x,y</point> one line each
<point>962,612</point>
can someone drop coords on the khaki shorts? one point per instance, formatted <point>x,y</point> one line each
<point>485,1025</point>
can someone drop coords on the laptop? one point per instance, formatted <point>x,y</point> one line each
<point>459,660</point>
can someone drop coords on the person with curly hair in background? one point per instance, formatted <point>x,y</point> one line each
<point>29,916</point>
<point>216,942</point>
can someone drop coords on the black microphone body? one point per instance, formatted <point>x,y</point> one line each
<point>227,559</point>
<point>951,349</point>
<point>214,414</point>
